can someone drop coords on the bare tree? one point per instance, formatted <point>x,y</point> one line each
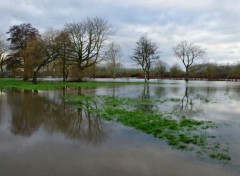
<point>88,38</point>
<point>145,53</point>
<point>3,52</point>
<point>189,54</point>
<point>112,57</point>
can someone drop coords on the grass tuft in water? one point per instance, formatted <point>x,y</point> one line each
<point>220,156</point>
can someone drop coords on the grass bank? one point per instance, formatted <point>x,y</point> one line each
<point>28,85</point>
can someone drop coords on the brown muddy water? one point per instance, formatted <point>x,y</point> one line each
<point>42,135</point>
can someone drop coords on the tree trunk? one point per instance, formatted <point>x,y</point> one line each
<point>2,74</point>
<point>148,75</point>
<point>79,73</point>
<point>64,64</point>
<point>26,73</point>
<point>34,81</point>
<point>64,71</point>
<point>186,75</point>
<point>114,73</point>
<point>145,76</point>
<point>14,73</point>
<point>25,76</point>
<point>114,70</point>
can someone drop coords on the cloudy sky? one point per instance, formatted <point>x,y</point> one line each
<point>213,24</point>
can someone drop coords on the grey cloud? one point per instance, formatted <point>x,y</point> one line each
<point>214,24</point>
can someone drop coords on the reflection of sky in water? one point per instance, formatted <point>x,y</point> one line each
<point>215,101</point>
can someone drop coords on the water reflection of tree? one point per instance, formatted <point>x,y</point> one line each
<point>146,105</point>
<point>31,111</point>
<point>86,124</point>
<point>186,107</point>
<point>26,115</point>
<point>145,92</point>
<point>160,92</point>
<point>113,91</point>
<point>2,93</point>
<point>174,90</point>
<point>235,93</point>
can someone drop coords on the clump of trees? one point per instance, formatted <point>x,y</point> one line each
<point>78,46</point>
<point>212,71</point>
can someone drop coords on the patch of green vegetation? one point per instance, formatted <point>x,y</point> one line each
<point>44,85</point>
<point>206,100</point>
<point>27,85</point>
<point>202,98</point>
<point>183,134</point>
<point>175,99</point>
<point>169,100</point>
<point>220,156</point>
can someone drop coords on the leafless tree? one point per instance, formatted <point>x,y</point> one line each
<point>189,54</point>
<point>88,38</point>
<point>3,52</point>
<point>145,53</point>
<point>113,55</point>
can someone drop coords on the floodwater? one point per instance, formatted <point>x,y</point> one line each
<point>42,135</point>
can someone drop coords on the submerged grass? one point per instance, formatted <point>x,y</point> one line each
<point>183,134</point>
<point>220,156</point>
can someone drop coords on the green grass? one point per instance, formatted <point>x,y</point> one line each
<point>27,85</point>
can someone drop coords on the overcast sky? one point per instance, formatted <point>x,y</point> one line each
<point>212,24</point>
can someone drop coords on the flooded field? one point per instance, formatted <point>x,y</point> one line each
<point>71,132</point>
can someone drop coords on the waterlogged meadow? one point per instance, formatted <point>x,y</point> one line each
<point>161,128</point>
<point>180,131</point>
<point>186,121</point>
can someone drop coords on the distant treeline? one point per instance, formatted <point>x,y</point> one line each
<point>208,71</point>
<point>201,72</point>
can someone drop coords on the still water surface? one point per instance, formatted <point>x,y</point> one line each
<point>42,135</point>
